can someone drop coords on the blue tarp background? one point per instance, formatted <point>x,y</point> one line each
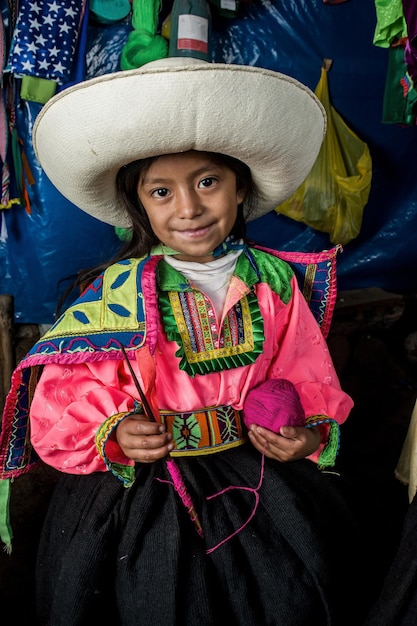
<point>39,252</point>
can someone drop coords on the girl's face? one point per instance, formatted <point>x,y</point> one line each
<point>191,201</point>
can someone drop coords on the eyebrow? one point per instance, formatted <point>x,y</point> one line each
<point>197,172</point>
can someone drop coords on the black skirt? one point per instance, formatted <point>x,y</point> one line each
<point>119,556</point>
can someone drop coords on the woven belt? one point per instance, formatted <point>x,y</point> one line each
<point>204,431</point>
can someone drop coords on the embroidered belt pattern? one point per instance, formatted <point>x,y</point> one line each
<point>204,431</point>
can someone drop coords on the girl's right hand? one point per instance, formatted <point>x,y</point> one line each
<point>141,440</point>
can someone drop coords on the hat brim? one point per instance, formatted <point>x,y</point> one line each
<point>268,120</point>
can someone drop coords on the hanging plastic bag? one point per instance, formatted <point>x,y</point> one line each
<point>334,194</point>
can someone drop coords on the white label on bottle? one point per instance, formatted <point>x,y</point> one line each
<point>228,4</point>
<point>192,33</point>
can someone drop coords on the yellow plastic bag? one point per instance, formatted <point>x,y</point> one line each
<point>334,194</point>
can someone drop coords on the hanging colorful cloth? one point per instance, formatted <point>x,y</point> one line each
<point>3,127</point>
<point>7,95</point>
<point>410,52</point>
<point>400,100</point>
<point>43,46</point>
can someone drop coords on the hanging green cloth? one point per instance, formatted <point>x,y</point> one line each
<point>400,97</point>
<point>5,529</point>
<point>143,44</point>
<point>391,25</point>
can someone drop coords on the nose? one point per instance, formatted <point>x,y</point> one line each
<point>188,204</point>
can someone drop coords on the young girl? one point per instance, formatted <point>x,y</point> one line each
<point>175,506</point>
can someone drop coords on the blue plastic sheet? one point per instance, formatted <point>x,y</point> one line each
<point>39,252</point>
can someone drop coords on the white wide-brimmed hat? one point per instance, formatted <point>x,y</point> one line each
<point>86,133</point>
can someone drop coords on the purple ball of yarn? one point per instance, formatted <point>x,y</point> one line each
<point>273,404</point>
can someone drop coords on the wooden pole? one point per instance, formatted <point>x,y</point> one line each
<point>7,351</point>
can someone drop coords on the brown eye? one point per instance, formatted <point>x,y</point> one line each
<point>160,193</point>
<point>207,182</point>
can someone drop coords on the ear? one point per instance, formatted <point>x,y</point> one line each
<point>240,194</point>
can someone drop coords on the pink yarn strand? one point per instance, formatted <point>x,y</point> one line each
<point>180,488</point>
<point>184,495</point>
<point>254,490</point>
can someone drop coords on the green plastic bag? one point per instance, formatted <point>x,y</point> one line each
<point>334,194</point>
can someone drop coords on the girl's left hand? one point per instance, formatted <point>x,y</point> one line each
<point>292,442</point>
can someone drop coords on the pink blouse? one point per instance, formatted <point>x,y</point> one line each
<point>72,401</point>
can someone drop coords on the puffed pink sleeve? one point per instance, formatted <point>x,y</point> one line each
<point>70,405</point>
<point>303,357</point>
<point>300,353</point>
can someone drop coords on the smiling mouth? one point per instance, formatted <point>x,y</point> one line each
<point>194,232</point>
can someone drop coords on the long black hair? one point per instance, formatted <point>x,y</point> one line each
<point>140,237</point>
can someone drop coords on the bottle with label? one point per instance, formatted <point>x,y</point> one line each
<point>190,29</point>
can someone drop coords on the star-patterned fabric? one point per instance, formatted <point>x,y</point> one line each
<point>45,39</point>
